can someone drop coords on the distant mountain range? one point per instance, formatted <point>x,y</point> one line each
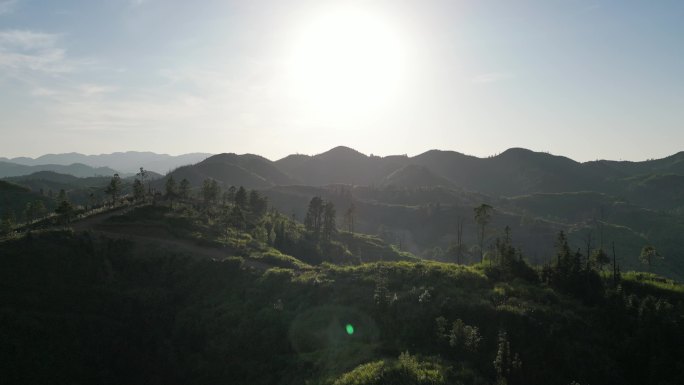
<point>123,162</point>
<point>79,170</point>
<point>414,201</point>
<point>514,172</point>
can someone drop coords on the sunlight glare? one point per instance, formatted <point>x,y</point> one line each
<point>346,61</point>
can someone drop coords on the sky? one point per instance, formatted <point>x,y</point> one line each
<point>581,78</point>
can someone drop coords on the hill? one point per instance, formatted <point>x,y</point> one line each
<point>148,315</point>
<point>8,169</point>
<point>415,202</point>
<point>412,176</point>
<point>14,198</point>
<point>125,162</point>
<point>339,165</point>
<point>247,170</point>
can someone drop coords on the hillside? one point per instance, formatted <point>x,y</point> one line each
<point>167,290</point>
<point>652,184</point>
<point>14,198</point>
<point>124,162</point>
<point>247,170</point>
<point>415,202</point>
<point>8,169</point>
<point>339,165</point>
<point>147,315</point>
<point>412,176</point>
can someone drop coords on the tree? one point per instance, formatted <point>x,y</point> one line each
<point>563,254</point>
<point>314,215</point>
<point>184,190</point>
<point>7,223</point>
<point>329,226</point>
<point>171,189</point>
<point>143,176</point>
<point>61,197</point>
<point>29,213</point>
<point>231,194</point>
<point>114,188</point>
<point>505,362</point>
<point>648,256</point>
<point>600,258</point>
<point>91,200</point>
<point>241,197</point>
<point>482,217</point>
<point>459,239</point>
<point>615,274</point>
<point>38,208</point>
<point>65,210</point>
<point>464,337</point>
<point>505,252</point>
<point>210,191</point>
<point>138,190</point>
<point>257,204</point>
<point>236,218</point>
<point>349,217</point>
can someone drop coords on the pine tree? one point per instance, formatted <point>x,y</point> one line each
<point>184,189</point>
<point>171,189</point>
<point>314,215</point>
<point>114,188</point>
<point>329,226</point>
<point>482,217</point>
<point>241,198</point>
<point>138,190</point>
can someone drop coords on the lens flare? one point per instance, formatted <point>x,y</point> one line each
<point>350,329</point>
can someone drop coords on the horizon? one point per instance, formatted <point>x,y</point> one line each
<point>585,79</point>
<point>10,158</point>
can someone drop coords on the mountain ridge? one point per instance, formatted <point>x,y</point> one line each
<point>122,161</point>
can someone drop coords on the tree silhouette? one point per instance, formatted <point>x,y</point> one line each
<point>38,208</point>
<point>171,189</point>
<point>65,210</point>
<point>482,217</point>
<point>349,217</point>
<point>314,215</point>
<point>210,191</point>
<point>138,190</point>
<point>648,256</point>
<point>241,198</point>
<point>184,189</point>
<point>114,188</point>
<point>143,176</point>
<point>257,204</point>
<point>329,226</point>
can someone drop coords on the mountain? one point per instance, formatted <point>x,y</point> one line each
<point>79,191</point>
<point>672,164</point>
<point>412,176</point>
<point>340,165</point>
<point>517,171</point>
<point>251,171</point>
<point>8,169</point>
<point>123,162</point>
<point>513,172</point>
<point>13,200</point>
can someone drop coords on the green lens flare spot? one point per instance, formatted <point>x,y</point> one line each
<point>350,329</point>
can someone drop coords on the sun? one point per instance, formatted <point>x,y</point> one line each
<point>346,60</point>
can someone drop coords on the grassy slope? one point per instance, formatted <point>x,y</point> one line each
<point>80,310</point>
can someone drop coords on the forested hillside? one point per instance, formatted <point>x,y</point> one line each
<point>94,307</point>
<point>416,202</point>
<point>211,285</point>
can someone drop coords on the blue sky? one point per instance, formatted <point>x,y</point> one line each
<point>585,79</point>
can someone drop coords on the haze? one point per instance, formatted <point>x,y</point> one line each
<point>586,79</point>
